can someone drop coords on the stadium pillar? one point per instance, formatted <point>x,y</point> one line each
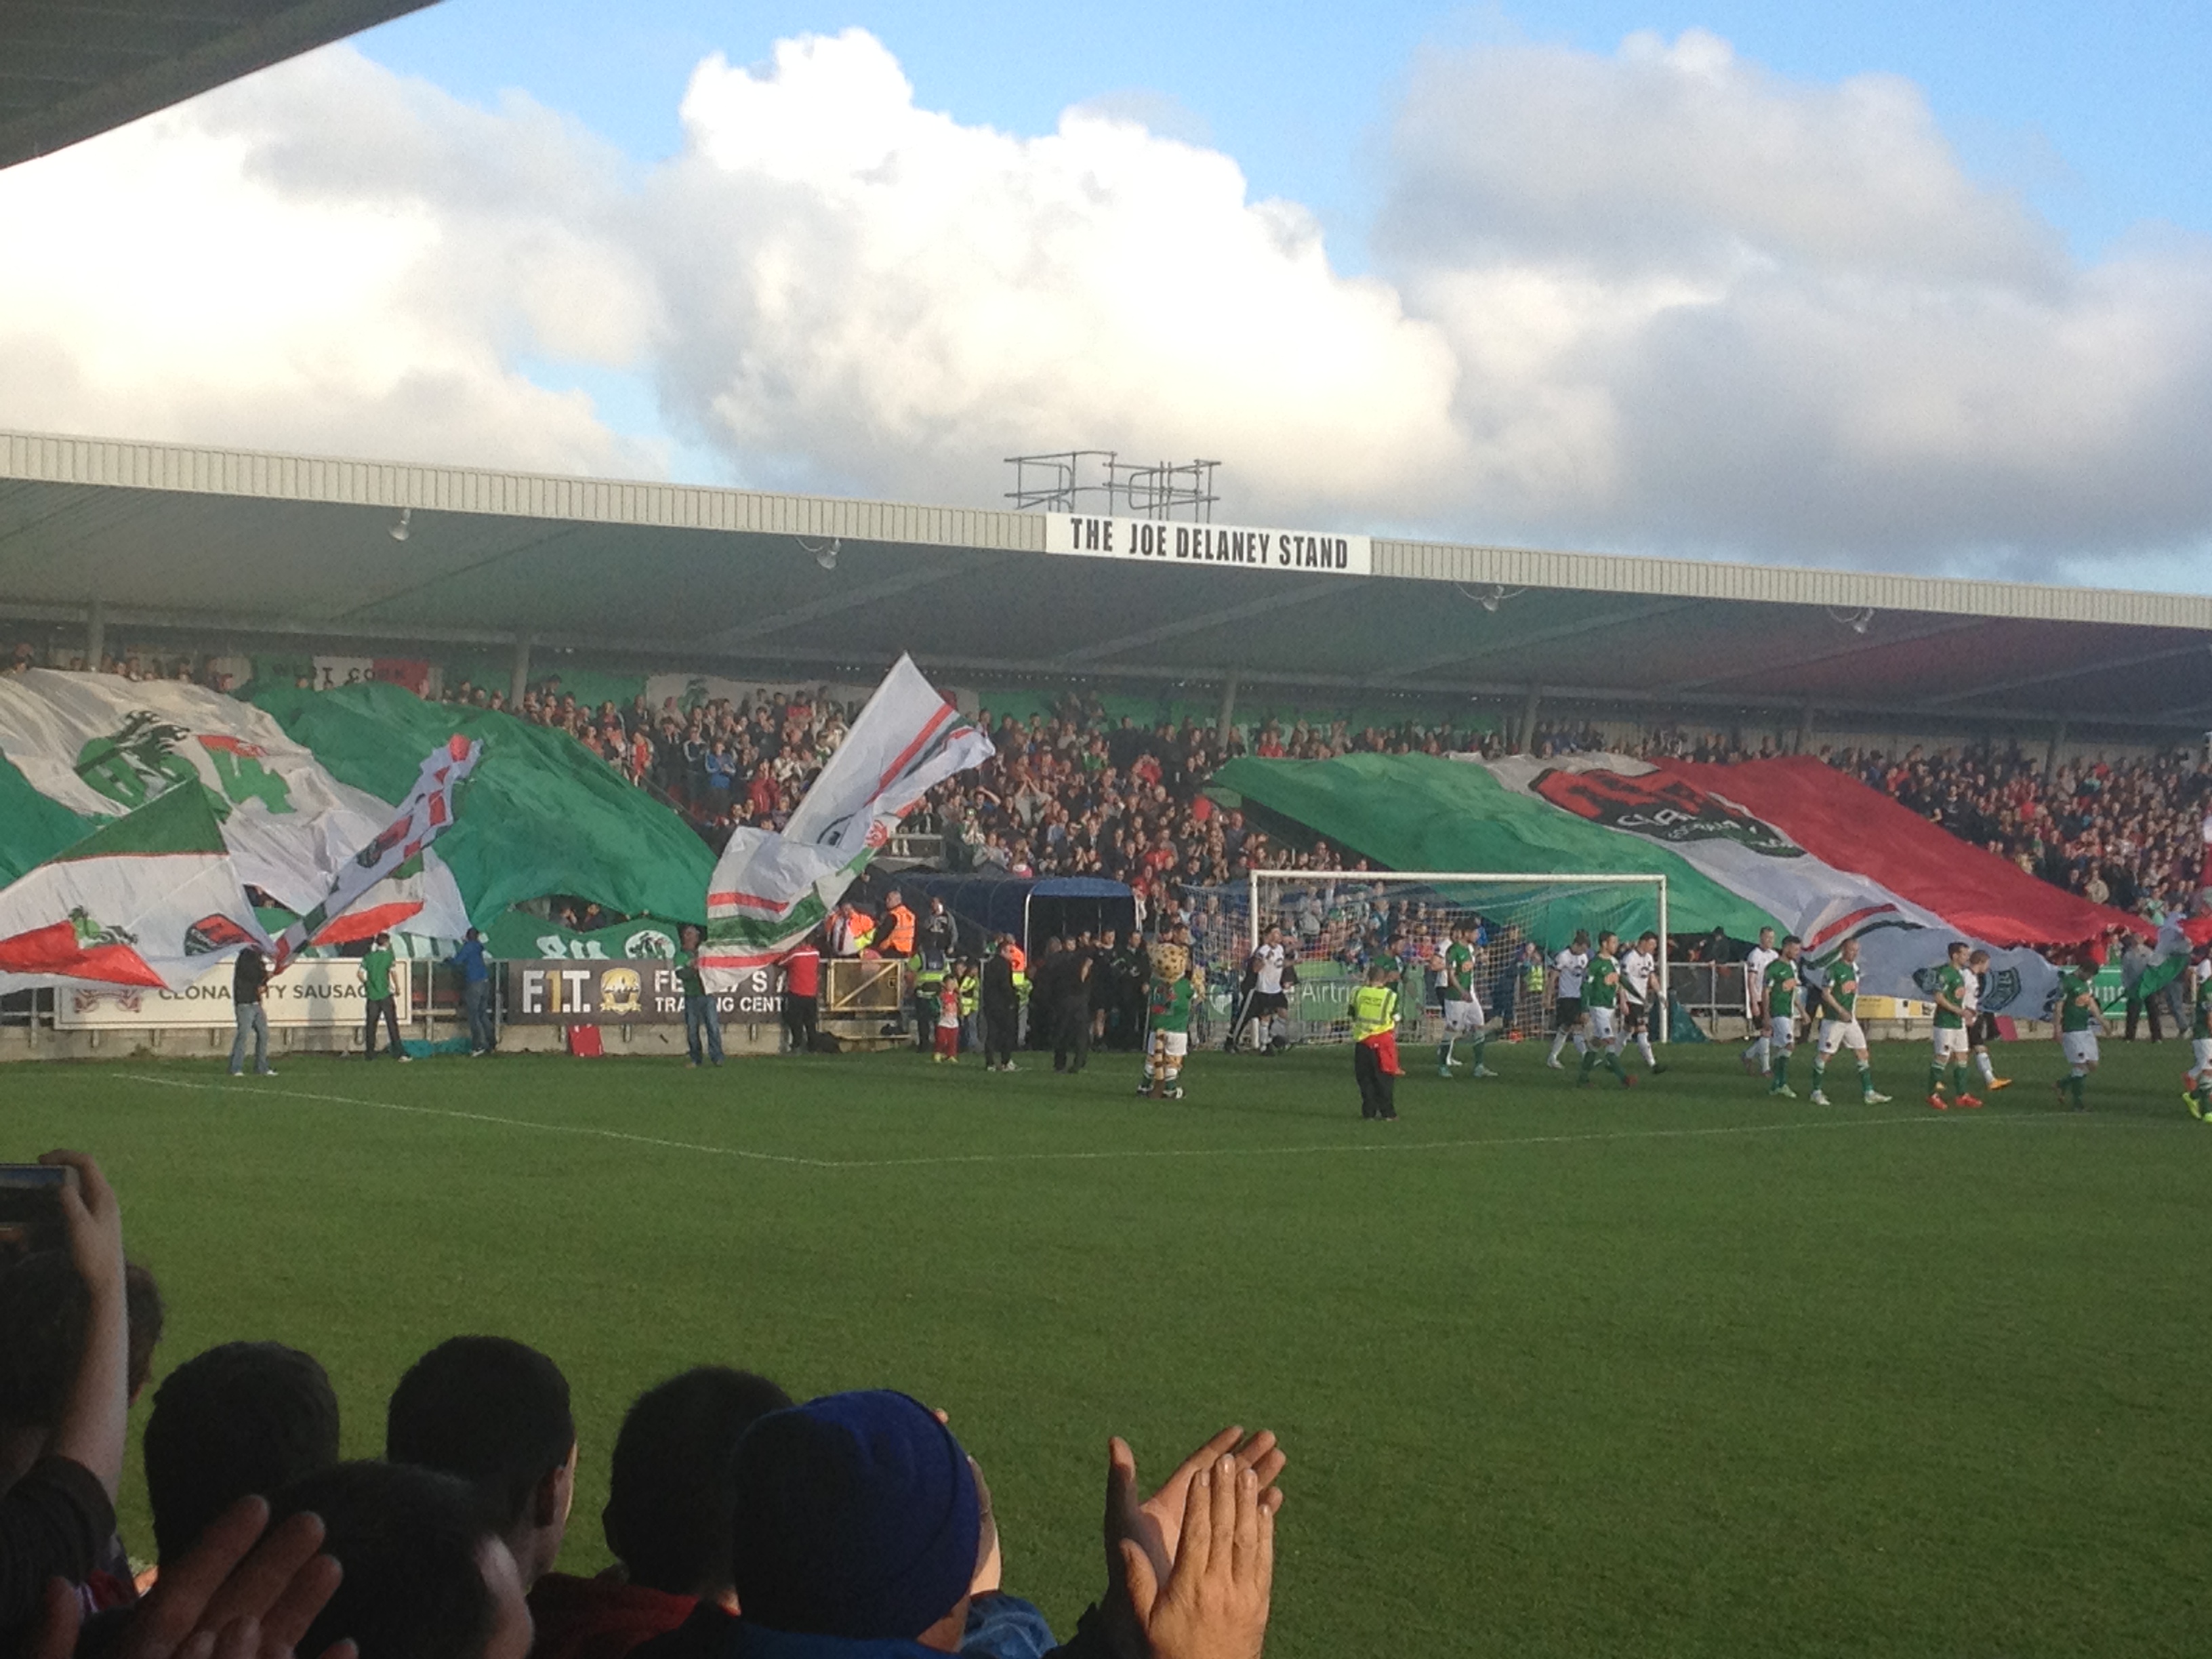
<point>520,682</point>
<point>1528,718</point>
<point>95,635</point>
<point>2051,754</point>
<point>1228,709</point>
<point>1805,730</point>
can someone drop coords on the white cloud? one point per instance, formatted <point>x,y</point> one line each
<point>325,257</point>
<point>875,292</point>
<point>1658,299</point>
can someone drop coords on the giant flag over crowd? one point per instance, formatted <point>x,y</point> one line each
<point>97,745</point>
<point>769,890</point>
<point>151,898</point>
<point>1822,855</point>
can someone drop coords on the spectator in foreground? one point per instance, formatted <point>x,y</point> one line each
<point>494,1413</point>
<point>243,1418</point>
<point>667,1518</point>
<point>425,1574</point>
<point>58,1514</point>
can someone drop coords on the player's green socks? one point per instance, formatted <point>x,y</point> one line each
<point>1818,1067</point>
<point>1935,1079</point>
<point>1480,1043</point>
<point>1866,1083</point>
<point>1612,1065</point>
<point>1590,1062</point>
<point>1958,1078</point>
<point>1781,1073</point>
<point>1444,1054</point>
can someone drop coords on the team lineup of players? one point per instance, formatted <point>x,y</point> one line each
<point>1604,998</point>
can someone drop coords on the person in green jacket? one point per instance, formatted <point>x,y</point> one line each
<point>376,986</point>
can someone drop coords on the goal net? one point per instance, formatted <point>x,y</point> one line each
<point>1333,924</point>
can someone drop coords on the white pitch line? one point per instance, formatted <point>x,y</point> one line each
<point>487,1117</point>
<point>1108,1154</point>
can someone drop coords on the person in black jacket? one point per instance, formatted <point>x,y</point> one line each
<point>248,979</point>
<point>1002,1008</point>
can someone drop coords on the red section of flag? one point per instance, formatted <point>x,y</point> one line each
<point>1842,822</point>
<point>54,950</point>
<point>366,924</point>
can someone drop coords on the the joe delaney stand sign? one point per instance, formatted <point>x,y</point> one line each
<point>640,993</point>
<point>1215,546</point>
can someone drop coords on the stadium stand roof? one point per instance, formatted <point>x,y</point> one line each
<point>69,69</point>
<point>252,547</point>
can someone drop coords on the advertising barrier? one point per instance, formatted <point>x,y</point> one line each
<point>323,992</point>
<point>640,991</point>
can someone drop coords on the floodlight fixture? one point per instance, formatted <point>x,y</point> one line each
<point>824,553</point>
<point>400,531</point>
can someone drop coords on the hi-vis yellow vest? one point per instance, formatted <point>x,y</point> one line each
<point>1373,1009</point>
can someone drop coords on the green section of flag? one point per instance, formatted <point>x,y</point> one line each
<point>32,827</point>
<point>540,815</point>
<point>1420,812</point>
<point>175,821</point>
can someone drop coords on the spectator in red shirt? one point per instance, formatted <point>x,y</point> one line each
<point>802,984</point>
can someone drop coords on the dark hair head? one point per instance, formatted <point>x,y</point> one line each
<point>407,1539</point>
<point>670,1495</point>
<point>244,1418</point>
<point>43,1311</point>
<point>489,1409</point>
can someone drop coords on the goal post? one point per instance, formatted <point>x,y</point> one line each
<point>1332,922</point>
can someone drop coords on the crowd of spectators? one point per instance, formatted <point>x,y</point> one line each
<point>1073,792</point>
<point>2129,833</point>
<point>744,1525</point>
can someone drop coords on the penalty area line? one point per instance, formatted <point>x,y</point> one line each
<point>1121,1154</point>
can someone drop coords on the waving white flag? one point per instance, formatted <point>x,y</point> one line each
<point>768,889</point>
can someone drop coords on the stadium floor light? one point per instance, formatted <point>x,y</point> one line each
<point>824,553</point>
<point>401,529</point>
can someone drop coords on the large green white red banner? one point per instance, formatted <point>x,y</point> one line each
<point>1820,858</point>
<point>102,746</point>
<point>149,901</point>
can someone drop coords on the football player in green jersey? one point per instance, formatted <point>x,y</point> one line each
<point>2079,1018</point>
<point>1839,1024</point>
<point>2198,1095</point>
<point>1783,979</point>
<point>1601,997</point>
<point>1462,1008</point>
<point>1949,1062</point>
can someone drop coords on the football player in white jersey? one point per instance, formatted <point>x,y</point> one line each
<point>1270,1008</point>
<point>1569,969</point>
<point>1759,1057</point>
<point>1639,985</point>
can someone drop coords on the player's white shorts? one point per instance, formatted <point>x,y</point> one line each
<point>2202,1046</point>
<point>1950,1040</point>
<point>1601,1020</point>
<point>1174,1044</point>
<point>1842,1034</point>
<point>2080,1048</point>
<point>1461,1015</point>
<point>1782,1034</point>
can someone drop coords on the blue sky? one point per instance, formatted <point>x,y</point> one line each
<point>2101,115</point>
<point>1906,287</point>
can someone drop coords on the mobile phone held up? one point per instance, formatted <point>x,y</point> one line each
<point>31,1209</point>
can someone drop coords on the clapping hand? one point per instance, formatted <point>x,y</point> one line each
<point>1152,1531</point>
<point>236,1595</point>
<point>1214,1603</point>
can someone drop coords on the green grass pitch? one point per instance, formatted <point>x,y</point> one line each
<point>1681,1370</point>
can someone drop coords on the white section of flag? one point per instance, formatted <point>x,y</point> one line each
<point>768,889</point>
